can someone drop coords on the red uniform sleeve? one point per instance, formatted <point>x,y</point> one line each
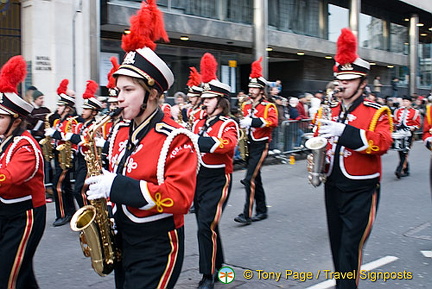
<point>21,167</point>
<point>175,194</point>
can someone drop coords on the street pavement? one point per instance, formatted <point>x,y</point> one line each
<point>292,242</point>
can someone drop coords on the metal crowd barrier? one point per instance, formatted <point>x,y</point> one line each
<point>289,137</point>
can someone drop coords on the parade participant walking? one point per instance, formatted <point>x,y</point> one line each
<point>22,191</point>
<point>63,160</point>
<point>260,117</point>
<point>406,121</point>
<point>218,135</point>
<point>152,164</point>
<point>91,108</point>
<point>359,133</point>
<point>194,112</point>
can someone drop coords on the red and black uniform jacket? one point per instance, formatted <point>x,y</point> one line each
<point>355,156</point>
<point>406,118</point>
<point>67,125</point>
<point>21,174</point>
<point>217,140</point>
<point>427,123</point>
<point>158,178</point>
<point>195,114</point>
<point>264,119</point>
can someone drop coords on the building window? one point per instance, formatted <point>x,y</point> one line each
<point>337,19</point>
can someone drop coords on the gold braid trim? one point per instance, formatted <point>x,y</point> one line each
<point>383,109</point>
<point>428,114</point>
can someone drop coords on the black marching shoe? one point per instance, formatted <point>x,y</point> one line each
<point>243,220</point>
<point>207,282</point>
<point>62,221</point>
<point>259,217</point>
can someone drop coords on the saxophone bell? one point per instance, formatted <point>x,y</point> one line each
<point>316,160</point>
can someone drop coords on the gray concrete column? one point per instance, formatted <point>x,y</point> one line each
<point>354,16</point>
<point>413,53</point>
<point>260,26</point>
<point>94,39</point>
<point>323,19</point>
<point>386,35</point>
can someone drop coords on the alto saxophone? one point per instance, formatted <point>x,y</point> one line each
<point>92,221</point>
<point>65,149</point>
<point>318,145</point>
<point>46,143</point>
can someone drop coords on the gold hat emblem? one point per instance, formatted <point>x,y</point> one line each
<point>347,66</point>
<point>130,58</point>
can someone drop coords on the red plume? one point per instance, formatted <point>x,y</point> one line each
<point>256,69</point>
<point>91,88</point>
<point>63,87</point>
<point>111,79</point>
<point>346,47</point>
<point>146,27</point>
<point>208,67</point>
<point>12,73</point>
<point>194,77</point>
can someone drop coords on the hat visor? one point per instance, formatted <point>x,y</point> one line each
<point>127,72</point>
<point>347,76</point>
<point>209,95</point>
<point>87,106</point>
<point>255,85</point>
<point>2,111</point>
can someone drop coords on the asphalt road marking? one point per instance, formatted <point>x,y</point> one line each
<point>427,254</point>
<point>369,266</point>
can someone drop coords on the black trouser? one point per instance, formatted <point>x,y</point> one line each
<point>253,183</point>
<point>152,263</point>
<point>63,194</point>
<point>20,234</point>
<point>350,216</point>
<point>80,176</point>
<point>211,195</point>
<point>403,157</point>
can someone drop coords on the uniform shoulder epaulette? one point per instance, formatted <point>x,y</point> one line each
<point>372,104</point>
<point>164,128</point>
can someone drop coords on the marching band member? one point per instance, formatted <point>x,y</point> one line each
<point>22,191</point>
<point>152,164</point>
<point>427,136</point>
<point>406,120</point>
<point>260,118</point>
<point>194,112</point>
<point>217,140</point>
<point>91,108</point>
<point>359,132</point>
<point>66,123</point>
<point>108,128</point>
<point>165,106</point>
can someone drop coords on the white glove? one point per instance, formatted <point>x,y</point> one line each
<point>331,128</point>
<point>67,136</point>
<point>99,142</point>
<point>246,122</point>
<point>49,131</point>
<point>428,142</point>
<point>100,186</point>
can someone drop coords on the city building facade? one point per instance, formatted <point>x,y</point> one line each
<point>74,39</point>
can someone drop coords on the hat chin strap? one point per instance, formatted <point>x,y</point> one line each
<point>144,104</point>
<point>358,87</point>
<point>12,120</point>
